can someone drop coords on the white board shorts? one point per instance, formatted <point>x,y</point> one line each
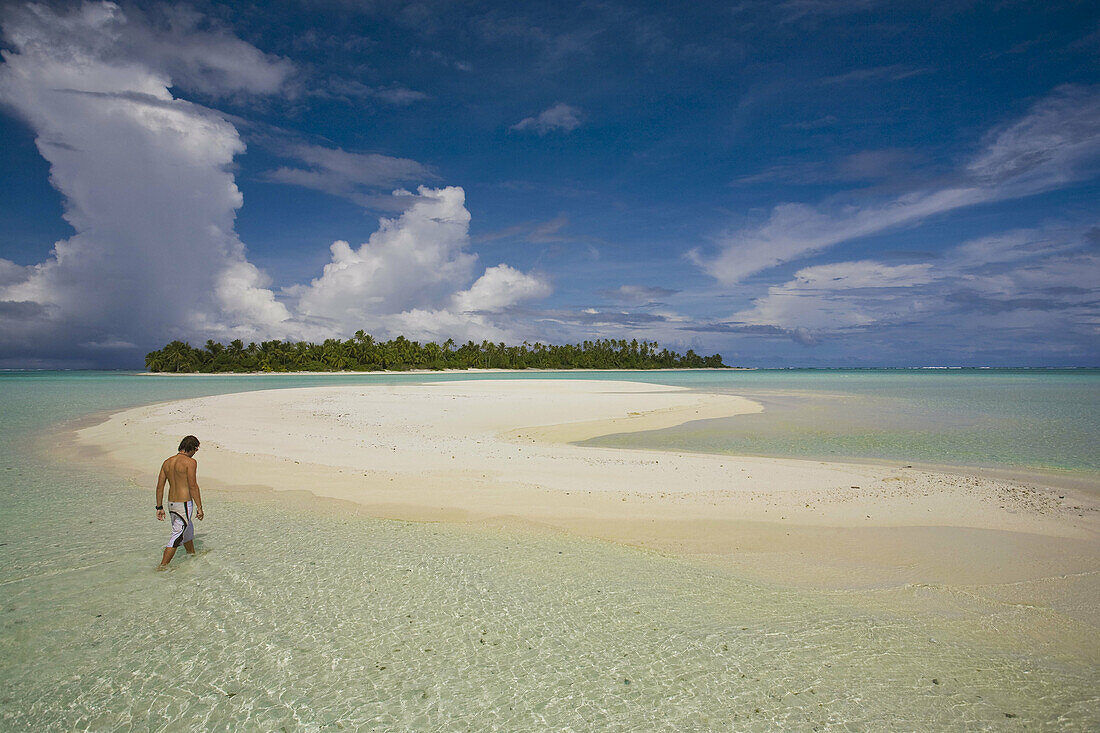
<point>183,525</point>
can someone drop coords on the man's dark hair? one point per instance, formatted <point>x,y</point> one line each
<point>189,443</point>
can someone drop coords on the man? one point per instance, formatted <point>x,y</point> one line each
<point>184,501</point>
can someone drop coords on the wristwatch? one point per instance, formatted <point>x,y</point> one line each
<point>160,509</point>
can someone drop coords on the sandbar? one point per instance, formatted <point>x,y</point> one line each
<point>502,451</point>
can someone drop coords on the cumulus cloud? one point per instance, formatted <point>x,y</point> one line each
<point>1018,289</point>
<point>405,276</point>
<point>411,261</point>
<point>1056,143</point>
<point>148,186</point>
<point>559,117</point>
<point>500,287</point>
<point>12,273</point>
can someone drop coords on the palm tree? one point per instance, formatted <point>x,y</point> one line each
<point>154,361</point>
<point>179,357</point>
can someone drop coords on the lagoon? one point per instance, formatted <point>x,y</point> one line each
<point>306,614</point>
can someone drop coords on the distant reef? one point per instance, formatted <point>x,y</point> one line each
<point>363,353</point>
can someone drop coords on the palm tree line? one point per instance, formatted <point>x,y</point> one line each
<point>364,353</point>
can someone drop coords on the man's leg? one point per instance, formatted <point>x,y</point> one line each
<point>190,547</point>
<point>167,558</point>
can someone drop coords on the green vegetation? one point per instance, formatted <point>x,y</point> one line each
<point>363,353</point>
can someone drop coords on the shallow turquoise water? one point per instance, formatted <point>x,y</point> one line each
<point>1044,420</point>
<point>1036,420</point>
<point>298,614</point>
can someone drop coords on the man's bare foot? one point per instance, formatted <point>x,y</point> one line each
<point>161,567</point>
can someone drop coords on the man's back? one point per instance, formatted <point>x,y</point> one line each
<point>176,469</point>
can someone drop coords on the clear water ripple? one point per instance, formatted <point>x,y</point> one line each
<point>299,615</point>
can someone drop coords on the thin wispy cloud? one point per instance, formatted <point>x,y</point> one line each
<point>351,90</point>
<point>441,58</point>
<point>814,124</point>
<point>554,47</point>
<point>864,166</point>
<point>894,72</point>
<point>793,11</point>
<point>638,295</point>
<point>539,232</point>
<point>561,117</point>
<point>1056,143</point>
<point>1021,285</point>
<point>363,178</point>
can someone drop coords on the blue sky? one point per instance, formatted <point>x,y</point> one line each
<point>799,183</point>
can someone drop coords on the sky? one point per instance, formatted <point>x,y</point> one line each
<point>789,183</point>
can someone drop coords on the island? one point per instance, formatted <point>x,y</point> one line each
<point>364,353</point>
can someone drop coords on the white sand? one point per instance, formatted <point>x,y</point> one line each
<point>498,451</point>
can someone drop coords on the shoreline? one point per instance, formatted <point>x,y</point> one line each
<point>1062,478</point>
<point>395,451</point>
<point>1073,481</point>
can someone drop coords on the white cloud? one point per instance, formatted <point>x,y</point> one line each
<point>543,232</point>
<point>147,183</point>
<point>212,61</point>
<point>1056,143</point>
<point>440,325</point>
<point>896,72</point>
<point>97,47</point>
<point>408,275</point>
<point>147,186</point>
<point>1014,246</point>
<point>358,177</point>
<point>638,294</point>
<point>397,95</point>
<point>838,296</point>
<point>893,164</point>
<point>559,117</point>
<point>500,287</point>
<point>242,290</point>
<point>110,345</point>
<point>1020,289</point>
<point>11,273</point>
<point>798,230</point>
<point>411,261</point>
<point>796,10</point>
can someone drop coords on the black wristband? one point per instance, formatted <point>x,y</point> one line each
<point>160,509</point>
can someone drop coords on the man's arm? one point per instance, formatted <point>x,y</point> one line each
<point>160,492</point>
<point>193,484</point>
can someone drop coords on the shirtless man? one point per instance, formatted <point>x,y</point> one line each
<point>184,501</point>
